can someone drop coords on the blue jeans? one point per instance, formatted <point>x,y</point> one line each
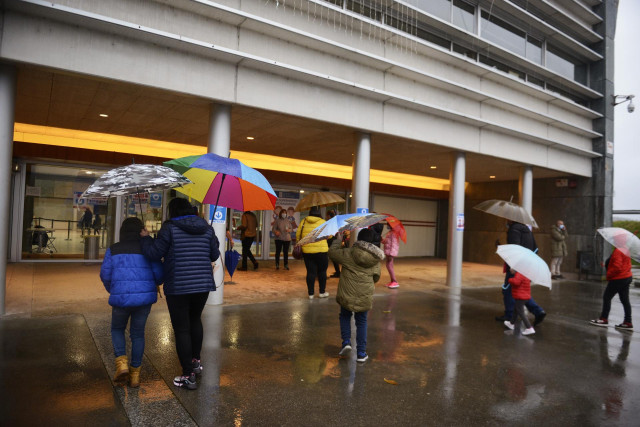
<point>510,302</point>
<point>119,319</point>
<point>361,328</point>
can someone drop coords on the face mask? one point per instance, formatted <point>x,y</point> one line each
<point>561,227</point>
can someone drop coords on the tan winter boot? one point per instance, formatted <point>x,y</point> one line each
<point>134,376</point>
<point>122,370</point>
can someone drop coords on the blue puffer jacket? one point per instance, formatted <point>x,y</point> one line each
<point>188,246</point>
<point>129,277</point>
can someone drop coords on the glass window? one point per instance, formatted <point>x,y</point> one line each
<point>439,8</point>
<point>565,65</point>
<point>464,51</point>
<point>430,37</point>
<point>463,15</point>
<point>362,9</point>
<point>503,34</point>
<point>534,50</point>
<point>535,81</point>
<point>57,221</point>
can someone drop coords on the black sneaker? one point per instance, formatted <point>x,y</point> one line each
<point>627,326</point>
<point>362,357</point>
<point>188,382</point>
<point>197,366</point>
<point>539,318</point>
<point>255,266</point>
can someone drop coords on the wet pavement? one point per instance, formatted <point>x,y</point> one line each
<point>437,357</point>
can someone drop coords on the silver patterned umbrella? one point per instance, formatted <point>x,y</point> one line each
<point>136,178</point>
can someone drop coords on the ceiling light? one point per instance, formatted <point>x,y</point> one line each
<point>433,167</point>
<point>492,176</point>
<point>250,138</point>
<point>103,115</point>
<point>302,191</point>
<point>88,172</point>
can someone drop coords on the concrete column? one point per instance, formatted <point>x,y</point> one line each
<point>360,177</point>
<point>456,219</point>
<point>7,112</point>
<point>525,188</point>
<point>219,143</point>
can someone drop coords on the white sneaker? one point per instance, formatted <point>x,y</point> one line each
<point>529,331</point>
<point>509,325</point>
<point>324,295</point>
<point>310,296</point>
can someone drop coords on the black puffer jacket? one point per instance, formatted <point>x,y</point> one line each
<point>188,246</point>
<point>519,234</point>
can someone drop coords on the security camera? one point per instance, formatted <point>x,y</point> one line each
<point>631,107</point>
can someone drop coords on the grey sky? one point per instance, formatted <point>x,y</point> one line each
<point>626,194</point>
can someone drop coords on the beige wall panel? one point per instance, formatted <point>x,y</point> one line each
<point>436,130</point>
<point>514,121</point>
<point>569,162</point>
<point>80,50</point>
<point>570,138</point>
<point>264,90</point>
<point>569,117</point>
<point>509,147</point>
<point>505,93</point>
<point>431,95</point>
<point>421,239</point>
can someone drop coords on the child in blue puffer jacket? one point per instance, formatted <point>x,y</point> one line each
<point>132,282</point>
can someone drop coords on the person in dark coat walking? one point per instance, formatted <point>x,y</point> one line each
<point>519,234</point>
<point>189,246</point>
<point>131,280</point>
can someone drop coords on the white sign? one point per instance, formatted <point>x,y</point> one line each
<point>610,147</point>
<point>460,222</point>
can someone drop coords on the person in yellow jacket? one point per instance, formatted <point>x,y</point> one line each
<point>315,256</point>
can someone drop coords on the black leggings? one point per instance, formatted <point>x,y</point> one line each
<point>620,287</point>
<point>519,311</point>
<point>282,245</point>
<point>185,312</point>
<point>316,267</point>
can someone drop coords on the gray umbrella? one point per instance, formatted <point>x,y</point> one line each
<point>134,179</point>
<point>507,210</point>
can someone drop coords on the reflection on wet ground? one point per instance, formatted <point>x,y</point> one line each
<point>436,358</point>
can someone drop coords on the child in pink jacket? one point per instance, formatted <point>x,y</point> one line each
<point>521,291</point>
<point>391,244</point>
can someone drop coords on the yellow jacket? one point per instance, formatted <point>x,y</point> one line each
<point>307,226</point>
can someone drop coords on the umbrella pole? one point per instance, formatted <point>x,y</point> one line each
<point>224,175</point>
<point>140,204</point>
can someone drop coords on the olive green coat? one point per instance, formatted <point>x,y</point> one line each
<point>558,244</point>
<point>360,271</point>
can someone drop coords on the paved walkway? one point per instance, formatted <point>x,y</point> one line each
<point>276,363</point>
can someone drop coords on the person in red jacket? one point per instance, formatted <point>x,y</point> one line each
<point>521,291</point>
<point>619,278</point>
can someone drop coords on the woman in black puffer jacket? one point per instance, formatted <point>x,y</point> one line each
<point>189,246</point>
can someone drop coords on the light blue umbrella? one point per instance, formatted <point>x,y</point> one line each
<point>341,223</point>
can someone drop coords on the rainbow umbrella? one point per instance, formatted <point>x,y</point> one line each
<point>222,181</point>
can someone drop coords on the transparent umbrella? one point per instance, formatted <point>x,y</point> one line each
<point>527,263</point>
<point>341,223</point>
<point>626,241</point>
<point>507,210</point>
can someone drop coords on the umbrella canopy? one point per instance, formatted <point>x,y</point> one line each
<point>527,263</point>
<point>626,241</point>
<point>341,223</point>
<point>507,210</point>
<point>318,198</point>
<point>396,225</point>
<point>222,181</point>
<point>231,259</point>
<point>132,179</point>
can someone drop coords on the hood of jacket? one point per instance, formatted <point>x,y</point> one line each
<point>313,220</point>
<point>366,254</point>
<point>191,224</point>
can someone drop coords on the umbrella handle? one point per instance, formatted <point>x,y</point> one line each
<point>140,204</point>
<point>224,175</point>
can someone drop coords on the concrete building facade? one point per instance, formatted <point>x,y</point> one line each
<point>460,101</point>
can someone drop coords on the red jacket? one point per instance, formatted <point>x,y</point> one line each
<point>619,266</point>
<point>520,287</point>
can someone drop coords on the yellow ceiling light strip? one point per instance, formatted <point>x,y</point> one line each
<point>140,146</point>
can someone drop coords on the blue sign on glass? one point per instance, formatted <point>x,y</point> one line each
<point>219,216</point>
<point>155,200</point>
<point>362,210</point>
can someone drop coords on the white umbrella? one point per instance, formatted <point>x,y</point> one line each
<point>507,210</point>
<point>626,241</point>
<point>527,263</point>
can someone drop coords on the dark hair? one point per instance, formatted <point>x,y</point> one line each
<point>366,235</point>
<point>130,229</point>
<point>314,211</point>
<point>180,207</point>
<point>331,213</point>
